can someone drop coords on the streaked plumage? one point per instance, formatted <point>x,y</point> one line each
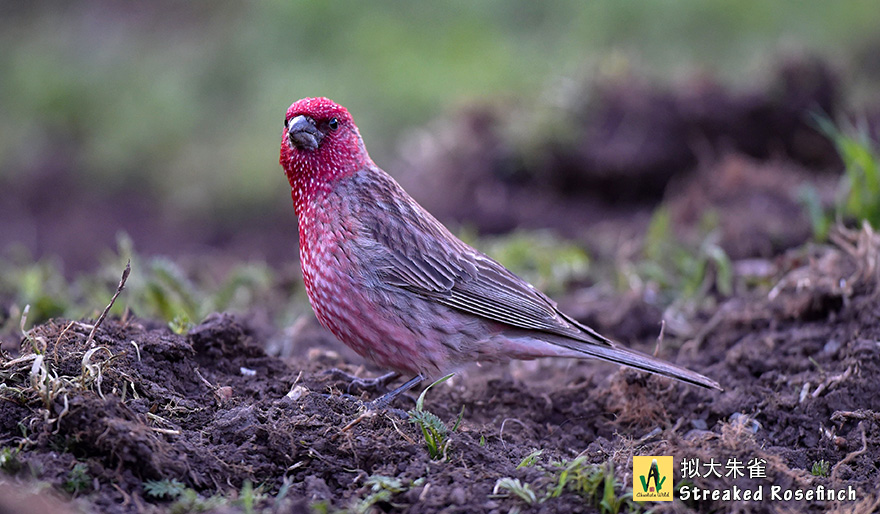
<point>394,284</point>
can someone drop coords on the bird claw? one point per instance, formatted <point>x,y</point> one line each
<point>371,409</point>
<point>357,384</point>
<point>400,413</point>
<point>380,404</point>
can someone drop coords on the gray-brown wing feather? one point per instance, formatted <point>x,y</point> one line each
<point>413,251</point>
<point>409,249</point>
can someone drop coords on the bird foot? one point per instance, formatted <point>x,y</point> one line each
<point>381,403</point>
<point>370,409</point>
<point>357,384</point>
<point>376,406</point>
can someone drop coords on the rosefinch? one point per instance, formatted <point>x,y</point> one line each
<point>395,285</point>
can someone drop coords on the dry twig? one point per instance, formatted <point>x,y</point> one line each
<point>119,288</point>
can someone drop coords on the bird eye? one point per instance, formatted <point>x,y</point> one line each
<point>333,124</point>
<point>286,121</point>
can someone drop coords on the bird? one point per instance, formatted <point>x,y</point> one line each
<point>394,284</point>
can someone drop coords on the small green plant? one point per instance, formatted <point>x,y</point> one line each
<point>578,476</point>
<point>166,488</point>
<point>158,288</point>
<point>530,459</point>
<point>382,489</point>
<point>859,190</point>
<point>680,270</point>
<point>513,485</point>
<point>191,501</point>
<point>170,293</point>
<point>78,479</point>
<point>181,324</point>
<point>821,468</point>
<point>282,493</point>
<point>545,260</point>
<point>595,483</point>
<point>820,221</point>
<point>250,497</point>
<point>9,461</point>
<point>321,507</point>
<point>39,284</point>
<point>436,432</point>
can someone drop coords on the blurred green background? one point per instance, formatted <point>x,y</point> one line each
<point>181,102</point>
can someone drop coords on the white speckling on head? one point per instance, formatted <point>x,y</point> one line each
<point>340,153</point>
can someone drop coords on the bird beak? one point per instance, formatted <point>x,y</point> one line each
<point>303,133</point>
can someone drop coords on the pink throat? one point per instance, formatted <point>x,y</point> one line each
<point>311,173</point>
<point>304,187</point>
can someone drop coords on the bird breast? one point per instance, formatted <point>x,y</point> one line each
<point>346,298</point>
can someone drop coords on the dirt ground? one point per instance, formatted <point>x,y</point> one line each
<point>100,424</point>
<point>212,410</point>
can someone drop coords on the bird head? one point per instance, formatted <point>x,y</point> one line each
<point>320,141</point>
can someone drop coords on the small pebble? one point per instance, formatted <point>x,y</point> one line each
<point>224,393</point>
<point>748,422</point>
<point>296,393</point>
<point>831,347</point>
<point>458,496</point>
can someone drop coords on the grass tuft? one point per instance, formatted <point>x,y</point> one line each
<point>513,485</point>
<point>858,192</point>
<point>165,488</point>
<point>542,258</point>
<point>159,288</point>
<point>530,459</point>
<point>594,482</point>
<point>382,490</point>
<point>680,270</point>
<point>821,468</point>
<point>434,430</point>
<point>78,479</point>
<point>9,461</point>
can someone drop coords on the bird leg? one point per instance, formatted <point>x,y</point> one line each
<point>383,401</point>
<point>377,384</point>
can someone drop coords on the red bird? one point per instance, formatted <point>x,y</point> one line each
<point>395,285</point>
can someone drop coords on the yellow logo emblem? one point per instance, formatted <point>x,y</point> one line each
<point>652,478</point>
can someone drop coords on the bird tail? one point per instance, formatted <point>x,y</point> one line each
<point>611,352</point>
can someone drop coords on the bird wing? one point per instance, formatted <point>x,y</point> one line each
<point>409,249</point>
<point>414,251</point>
